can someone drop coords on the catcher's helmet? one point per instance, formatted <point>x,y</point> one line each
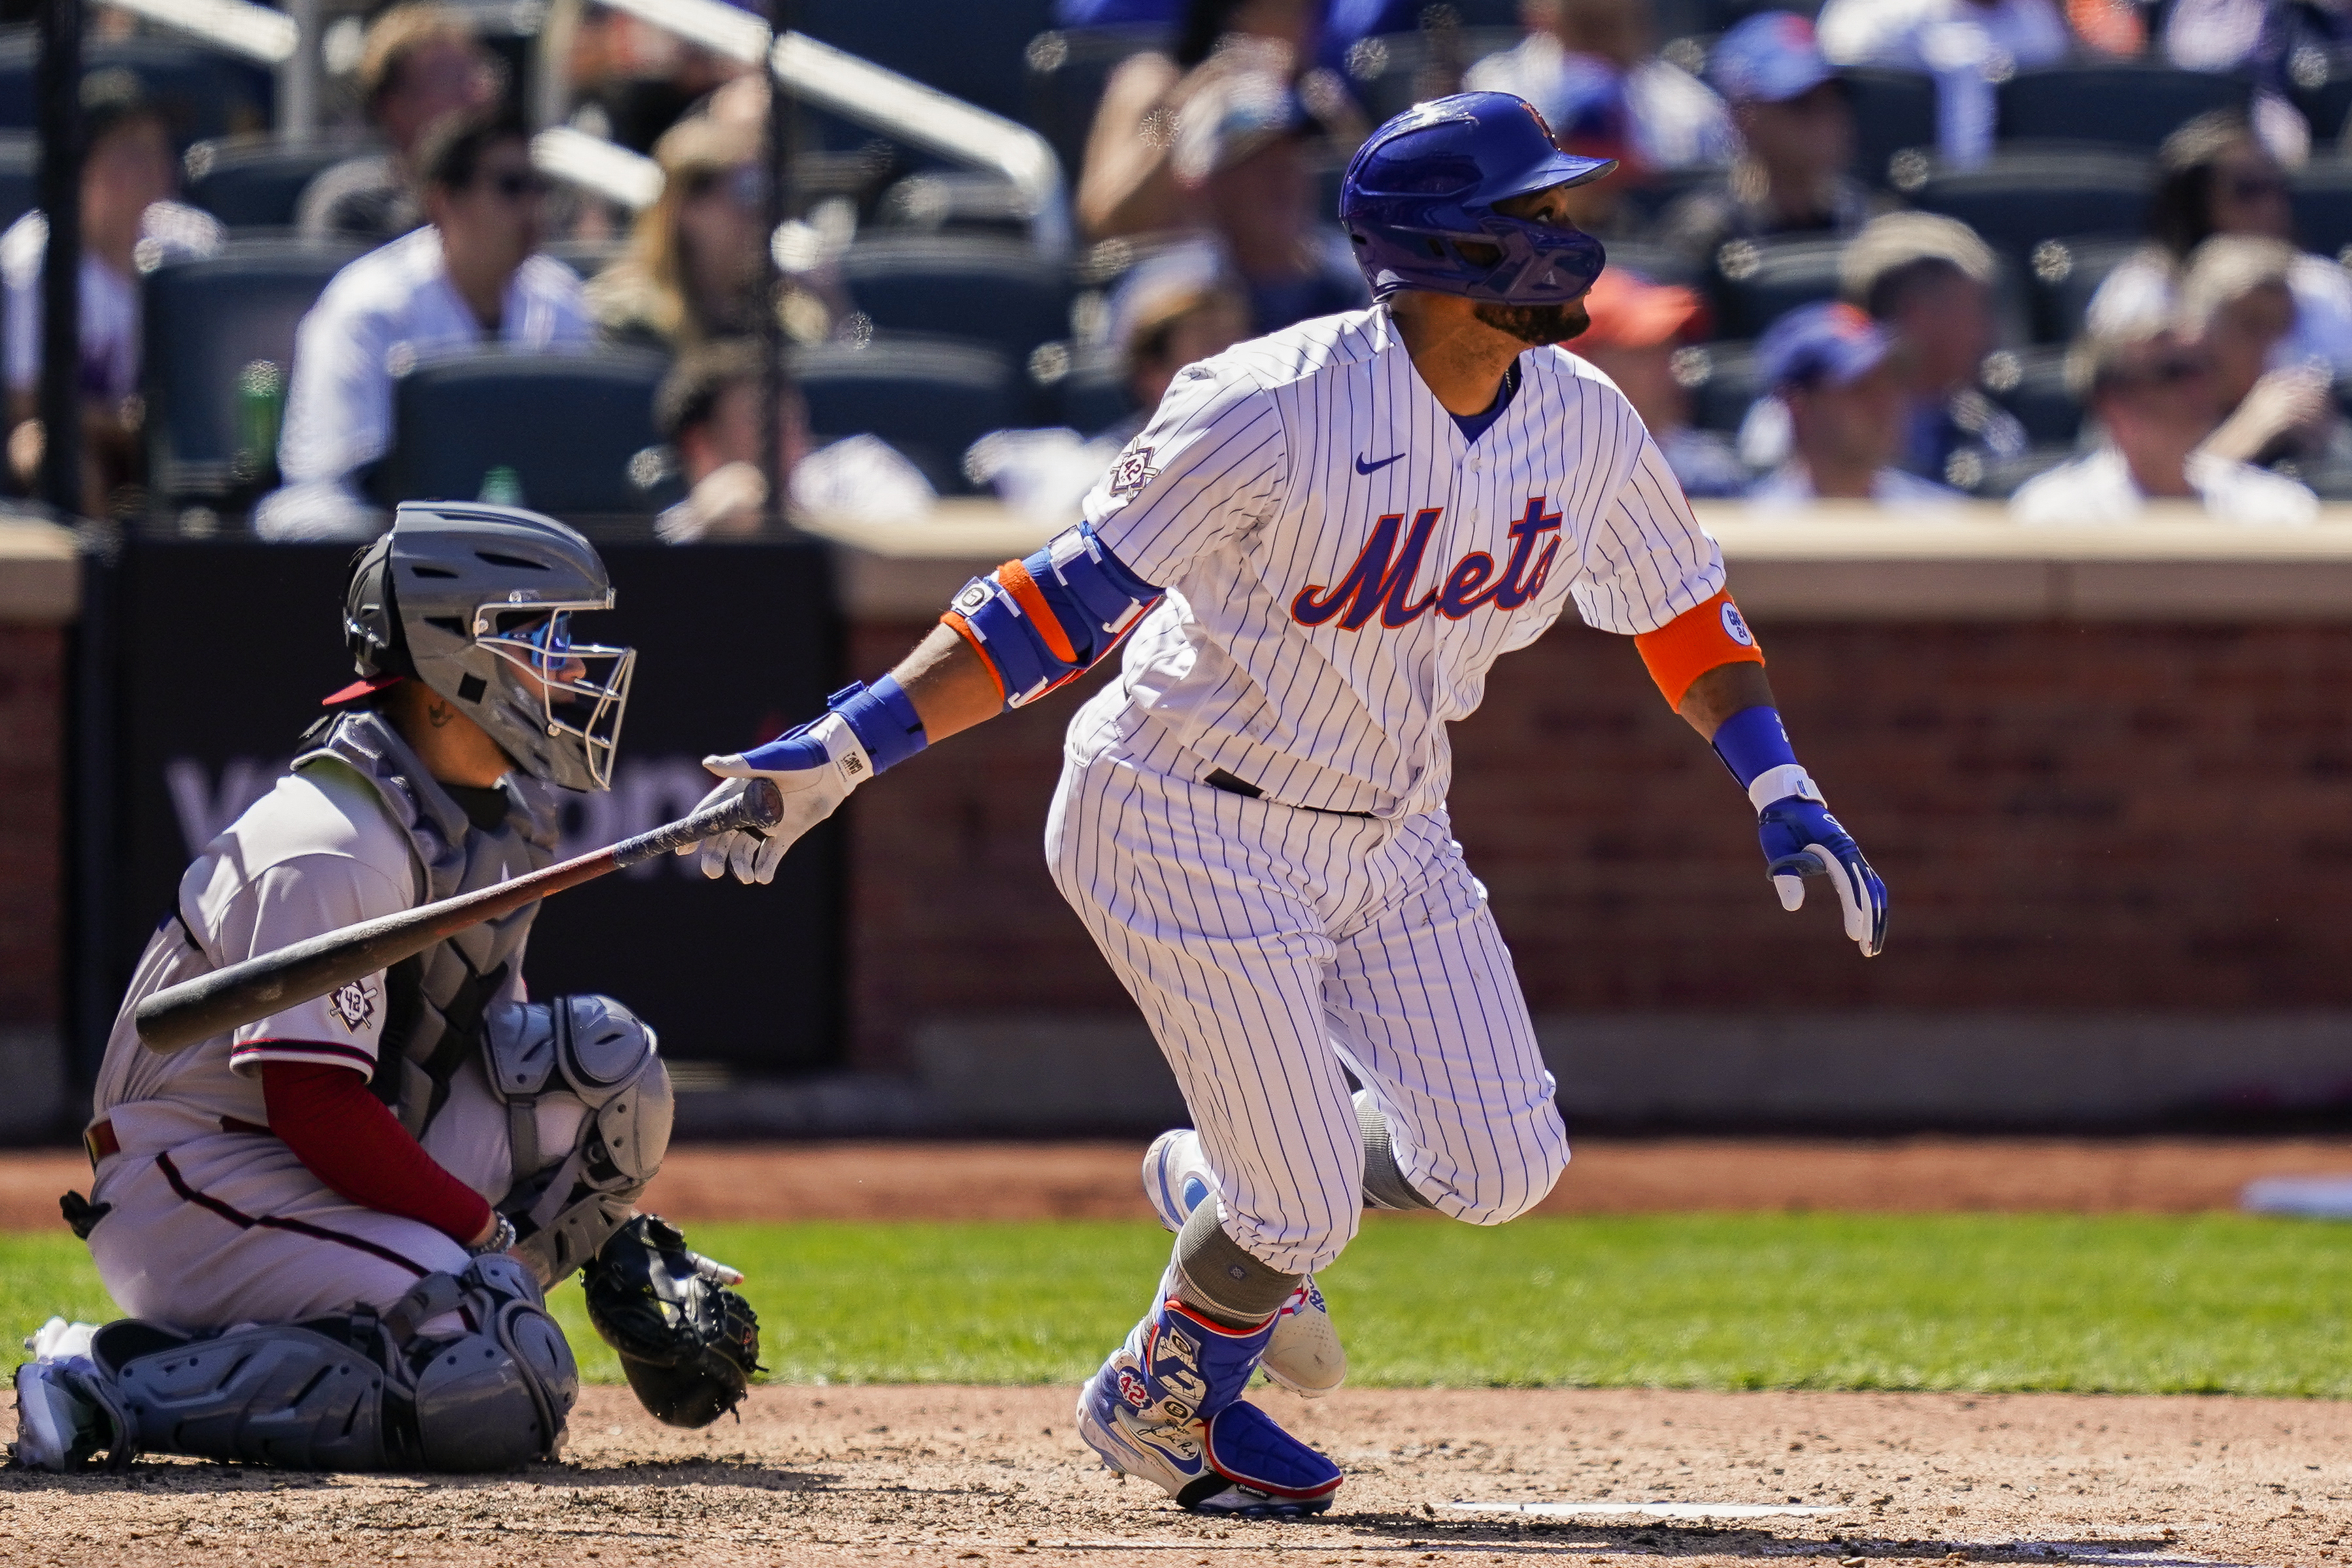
<point>476,601</point>
<point>1426,184</point>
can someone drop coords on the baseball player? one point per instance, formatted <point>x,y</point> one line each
<point>332,1227</point>
<point>1314,550</point>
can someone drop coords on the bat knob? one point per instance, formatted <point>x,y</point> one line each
<point>762,804</point>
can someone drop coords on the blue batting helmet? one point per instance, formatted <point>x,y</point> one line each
<point>1426,186</point>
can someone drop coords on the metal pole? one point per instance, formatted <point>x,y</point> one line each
<point>298,77</point>
<point>772,386</point>
<point>60,122</point>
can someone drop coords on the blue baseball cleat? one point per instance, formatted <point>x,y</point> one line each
<point>1167,1407</point>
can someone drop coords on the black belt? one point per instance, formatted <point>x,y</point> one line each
<point>1221,779</point>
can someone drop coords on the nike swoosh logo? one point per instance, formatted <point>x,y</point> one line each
<point>1364,467</point>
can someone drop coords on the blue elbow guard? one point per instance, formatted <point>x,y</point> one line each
<point>1044,620</point>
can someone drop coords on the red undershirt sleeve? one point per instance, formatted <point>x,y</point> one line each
<point>351,1141</point>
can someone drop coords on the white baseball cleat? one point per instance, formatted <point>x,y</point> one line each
<point>1305,1354</point>
<point>60,1426</point>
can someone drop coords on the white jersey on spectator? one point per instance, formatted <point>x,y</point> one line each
<point>1343,566</point>
<point>109,302</point>
<point>1676,121</point>
<point>2146,288</point>
<point>2099,488</point>
<point>1791,486</point>
<point>1902,32</point>
<point>382,314</point>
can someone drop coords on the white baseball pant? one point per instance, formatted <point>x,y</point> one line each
<point>1270,946</point>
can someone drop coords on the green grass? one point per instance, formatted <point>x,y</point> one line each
<point>2127,1304</point>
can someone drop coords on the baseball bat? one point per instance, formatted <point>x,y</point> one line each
<point>179,1016</point>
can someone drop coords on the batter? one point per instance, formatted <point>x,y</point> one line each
<point>1319,545</point>
<point>332,1226</point>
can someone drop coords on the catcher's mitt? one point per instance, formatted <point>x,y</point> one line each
<point>688,1345</point>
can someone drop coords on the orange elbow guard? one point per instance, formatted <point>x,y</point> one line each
<point>1698,640</point>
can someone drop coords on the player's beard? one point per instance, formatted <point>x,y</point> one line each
<point>1537,324</point>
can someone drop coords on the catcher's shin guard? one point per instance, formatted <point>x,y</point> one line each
<point>1166,1407</point>
<point>1305,1355</point>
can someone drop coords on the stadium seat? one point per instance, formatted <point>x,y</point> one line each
<point>929,398</point>
<point>207,319</point>
<point>2032,384</point>
<point>1892,112</point>
<point>995,291</point>
<point>2323,206</point>
<point>2066,273</point>
<point>567,426</point>
<point>2122,105</point>
<point>1066,69</point>
<point>1392,72</point>
<point>1754,283</point>
<point>2017,201</point>
<point>958,201</point>
<point>973,52</point>
<point>1093,396</point>
<point>256,182</point>
<point>204,94</point>
<point>1721,380</point>
<point>2322,88</point>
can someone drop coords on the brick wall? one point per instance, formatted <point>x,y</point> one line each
<point>32,824</point>
<point>2070,816</point>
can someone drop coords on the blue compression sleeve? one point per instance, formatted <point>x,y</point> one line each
<point>1752,743</point>
<point>883,718</point>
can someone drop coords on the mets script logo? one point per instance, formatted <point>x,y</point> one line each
<point>353,1005</point>
<point>1132,471</point>
<point>1380,582</point>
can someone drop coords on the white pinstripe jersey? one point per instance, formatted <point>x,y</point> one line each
<point>1342,567</point>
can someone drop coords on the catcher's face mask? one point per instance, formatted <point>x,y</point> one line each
<point>575,691</point>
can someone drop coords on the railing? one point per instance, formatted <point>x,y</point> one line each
<point>865,93</point>
<point>592,163</point>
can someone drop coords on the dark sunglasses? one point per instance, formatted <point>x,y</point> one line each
<point>516,184</point>
<point>2256,188</point>
<point>2169,372</point>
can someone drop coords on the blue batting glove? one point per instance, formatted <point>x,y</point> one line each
<point>865,730</point>
<point>1802,839</point>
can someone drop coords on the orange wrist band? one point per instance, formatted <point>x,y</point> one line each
<point>1703,638</point>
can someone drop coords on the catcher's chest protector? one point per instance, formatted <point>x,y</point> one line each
<point>434,1002</point>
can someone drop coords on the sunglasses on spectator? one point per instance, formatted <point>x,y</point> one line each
<point>2168,372</point>
<point>2256,187</point>
<point>517,184</point>
<point>746,184</point>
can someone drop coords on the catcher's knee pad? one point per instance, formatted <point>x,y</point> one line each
<point>496,1396</point>
<point>593,1056</point>
<point>688,1345</point>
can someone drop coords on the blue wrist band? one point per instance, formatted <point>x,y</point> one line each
<point>1752,743</point>
<point>883,719</point>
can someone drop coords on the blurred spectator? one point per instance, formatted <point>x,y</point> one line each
<point>1243,147</point>
<point>693,268</point>
<point>1175,310</point>
<point>128,173</point>
<point>420,61</point>
<point>708,409</point>
<point>632,79</point>
<point>2213,176</point>
<point>1128,184</point>
<point>1928,280</point>
<point>2260,39</point>
<point>1832,365</point>
<point>1590,68</point>
<point>1966,45</point>
<point>471,276</point>
<point>1798,137</point>
<point>1636,326</point>
<point>2152,392</point>
<point>2235,299</point>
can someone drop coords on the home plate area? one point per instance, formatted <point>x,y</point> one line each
<point>955,1475</point>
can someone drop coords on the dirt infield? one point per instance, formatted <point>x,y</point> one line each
<point>950,1476</point>
<point>1097,1180</point>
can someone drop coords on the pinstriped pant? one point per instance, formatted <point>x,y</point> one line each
<point>1268,947</point>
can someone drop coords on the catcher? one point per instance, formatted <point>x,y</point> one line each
<point>334,1228</point>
